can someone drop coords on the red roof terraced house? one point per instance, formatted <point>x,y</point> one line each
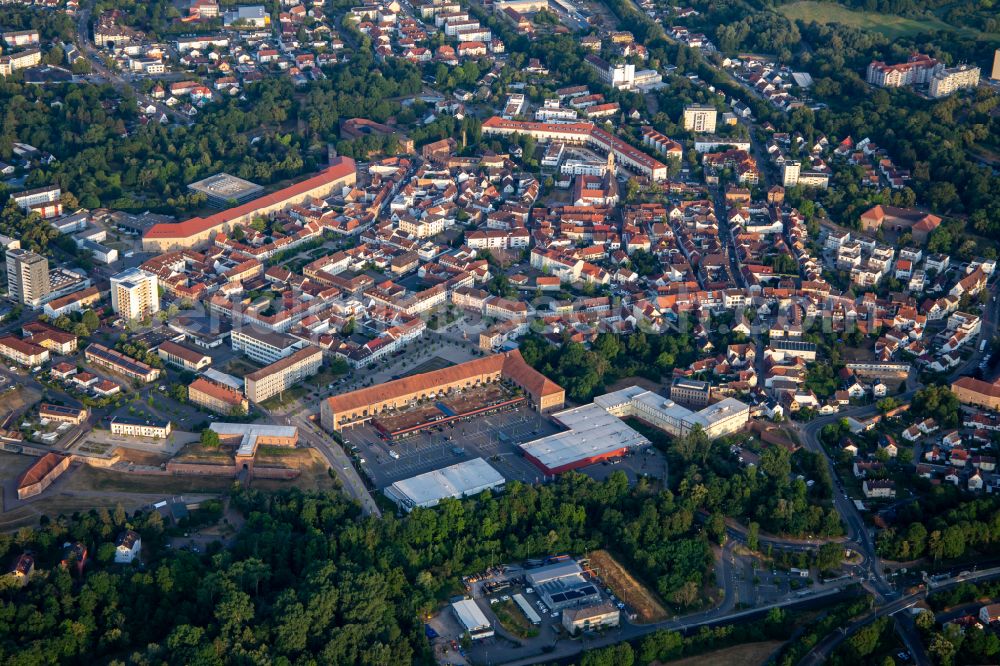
<point>200,230</point>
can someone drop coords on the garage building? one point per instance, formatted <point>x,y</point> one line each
<point>472,619</point>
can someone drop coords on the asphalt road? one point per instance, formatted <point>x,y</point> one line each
<point>88,48</point>
<point>822,651</point>
<point>341,464</point>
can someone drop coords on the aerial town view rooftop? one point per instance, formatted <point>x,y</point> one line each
<point>486,332</point>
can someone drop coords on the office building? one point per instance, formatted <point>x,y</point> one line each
<point>718,419</point>
<point>135,294</point>
<point>700,118</point>
<point>995,75</point>
<point>691,392</point>
<point>592,617</point>
<point>626,155</point>
<point>620,75</point>
<point>283,374</point>
<point>28,277</point>
<point>263,346</point>
<point>183,357</point>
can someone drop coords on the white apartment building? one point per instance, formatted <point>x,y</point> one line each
<point>133,427</point>
<point>283,374</point>
<point>620,76</point>
<point>11,63</point>
<point>790,173</point>
<point>700,118</point>
<point>953,79</point>
<point>135,294</point>
<point>28,199</point>
<point>425,228</point>
<point>576,166</point>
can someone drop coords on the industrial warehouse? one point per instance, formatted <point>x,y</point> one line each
<point>463,479</point>
<point>563,585</point>
<point>592,435</point>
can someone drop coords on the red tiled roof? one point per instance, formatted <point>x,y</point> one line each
<point>510,365</point>
<point>342,167</point>
<point>40,469</point>
<point>217,391</point>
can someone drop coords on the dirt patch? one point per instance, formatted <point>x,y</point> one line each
<point>91,479</point>
<point>750,654</point>
<point>636,595</point>
<point>18,400</point>
<point>626,382</point>
<point>141,457</point>
<point>313,477</point>
<point>281,456</point>
<point>196,452</point>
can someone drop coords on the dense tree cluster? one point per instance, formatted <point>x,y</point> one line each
<point>942,142</point>
<point>762,32</point>
<point>50,25</point>
<point>584,373</point>
<point>770,494</point>
<point>942,527</point>
<point>307,580</point>
<point>664,646</point>
<point>939,403</point>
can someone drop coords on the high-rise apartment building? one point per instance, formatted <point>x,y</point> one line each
<point>953,79</point>
<point>28,277</point>
<point>790,173</point>
<point>135,294</point>
<point>700,118</point>
<point>995,75</point>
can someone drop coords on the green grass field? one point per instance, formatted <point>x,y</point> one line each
<point>890,26</point>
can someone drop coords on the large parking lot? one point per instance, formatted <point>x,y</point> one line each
<point>493,437</point>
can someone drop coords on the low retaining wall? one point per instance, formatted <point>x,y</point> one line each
<point>195,469</point>
<point>229,471</point>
